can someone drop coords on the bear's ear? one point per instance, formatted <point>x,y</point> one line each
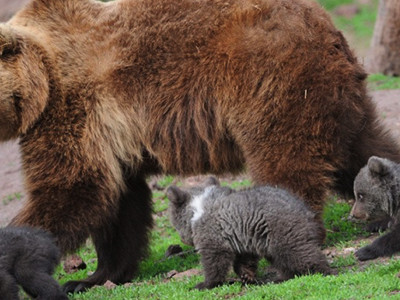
<point>9,44</point>
<point>379,166</point>
<point>211,181</point>
<point>176,195</point>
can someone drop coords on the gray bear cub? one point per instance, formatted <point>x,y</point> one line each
<point>237,228</point>
<point>28,257</point>
<point>377,195</point>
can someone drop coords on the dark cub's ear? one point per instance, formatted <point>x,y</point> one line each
<point>379,166</point>
<point>176,195</point>
<point>9,44</point>
<point>211,181</point>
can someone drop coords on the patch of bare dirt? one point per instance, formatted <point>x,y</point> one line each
<point>12,193</point>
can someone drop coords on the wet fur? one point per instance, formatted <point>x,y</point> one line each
<point>178,87</point>
<point>237,228</point>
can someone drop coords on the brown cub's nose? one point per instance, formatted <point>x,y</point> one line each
<point>357,213</point>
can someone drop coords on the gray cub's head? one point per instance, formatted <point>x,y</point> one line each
<point>180,212</point>
<point>374,189</point>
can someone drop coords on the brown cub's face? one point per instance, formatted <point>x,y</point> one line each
<point>372,190</point>
<point>24,84</point>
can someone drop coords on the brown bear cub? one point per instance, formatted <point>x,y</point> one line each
<point>104,94</point>
<point>28,257</point>
<point>231,227</point>
<point>377,194</point>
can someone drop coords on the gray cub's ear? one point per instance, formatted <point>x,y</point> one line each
<point>176,195</point>
<point>379,166</point>
<point>211,181</point>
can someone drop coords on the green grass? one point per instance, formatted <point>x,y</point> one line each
<point>16,196</point>
<point>339,229</point>
<point>374,282</point>
<point>332,4</point>
<point>383,82</point>
<point>165,181</point>
<point>361,24</point>
<point>237,184</point>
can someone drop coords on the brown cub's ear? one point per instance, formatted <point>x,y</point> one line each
<point>176,195</point>
<point>8,42</point>
<point>378,166</point>
<point>211,181</point>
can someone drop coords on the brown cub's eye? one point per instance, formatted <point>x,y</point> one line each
<point>360,197</point>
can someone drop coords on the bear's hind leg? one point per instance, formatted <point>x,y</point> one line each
<point>121,243</point>
<point>302,260</point>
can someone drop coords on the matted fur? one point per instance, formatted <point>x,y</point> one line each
<point>237,228</point>
<point>104,94</point>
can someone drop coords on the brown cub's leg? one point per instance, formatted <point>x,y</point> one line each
<point>385,245</point>
<point>216,264</point>
<point>245,266</point>
<point>123,241</point>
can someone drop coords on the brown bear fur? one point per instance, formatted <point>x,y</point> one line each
<point>104,94</point>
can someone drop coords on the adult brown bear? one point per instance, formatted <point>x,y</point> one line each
<point>104,94</point>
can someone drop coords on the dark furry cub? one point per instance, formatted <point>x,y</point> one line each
<point>377,194</point>
<point>237,227</point>
<point>28,258</point>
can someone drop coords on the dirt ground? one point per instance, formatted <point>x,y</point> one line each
<point>13,195</point>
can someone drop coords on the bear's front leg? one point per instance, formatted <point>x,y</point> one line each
<point>117,222</point>
<point>216,264</point>
<point>122,241</point>
<point>385,245</point>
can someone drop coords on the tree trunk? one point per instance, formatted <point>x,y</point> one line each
<point>384,55</point>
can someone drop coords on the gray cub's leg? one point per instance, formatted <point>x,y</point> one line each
<point>216,264</point>
<point>41,286</point>
<point>245,266</point>
<point>300,259</point>
<point>8,286</point>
